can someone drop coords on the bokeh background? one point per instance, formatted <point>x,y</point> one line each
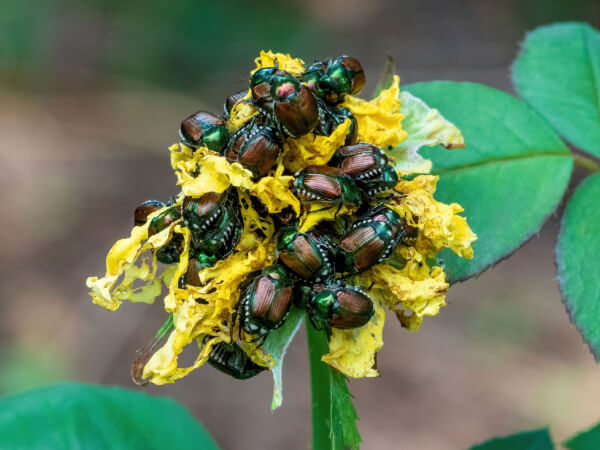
<point>91,95</point>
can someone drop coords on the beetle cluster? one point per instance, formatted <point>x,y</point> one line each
<point>311,266</point>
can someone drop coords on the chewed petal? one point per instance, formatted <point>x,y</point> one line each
<point>316,213</point>
<point>425,126</point>
<point>415,288</point>
<point>202,171</point>
<point>122,271</point>
<point>284,61</point>
<point>353,352</point>
<point>379,120</point>
<point>241,112</point>
<point>275,194</point>
<point>310,150</point>
<point>439,224</point>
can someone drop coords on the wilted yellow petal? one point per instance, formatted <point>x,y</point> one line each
<point>379,120</point>
<point>439,225</point>
<point>284,61</point>
<point>241,112</point>
<point>275,194</point>
<point>202,171</point>
<point>353,352</point>
<point>311,150</point>
<point>318,212</point>
<point>122,272</point>
<point>416,288</point>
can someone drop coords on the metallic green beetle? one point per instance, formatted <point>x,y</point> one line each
<point>232,360</point>
<point>384,180</point>
<point>336,305</point>
<point>215,222</point>
<point>307,255</point>
<point>141,213</point>
<point>265,302</point>
<point>204,128</point>
<point>332,81</point>
<point>326,184</point>
<point>371,238</point>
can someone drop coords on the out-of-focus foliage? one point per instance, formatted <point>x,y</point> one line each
<point>527,440</point>
<point>178,44</point>
<point>73,415</point>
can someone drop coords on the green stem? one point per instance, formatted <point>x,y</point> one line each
<point>320,382</point>
<point>586,163</point>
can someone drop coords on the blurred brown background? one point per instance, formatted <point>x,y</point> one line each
<point>91,95</point>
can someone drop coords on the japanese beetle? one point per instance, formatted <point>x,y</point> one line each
<point>371,238</point>
<point>171,251</point>
<point>163,220</point>
<point>344,76</point>
<point>230,101</point>
<point>141,213</point>
<point>336,305</point>
<point>382,213</point>
<point>306,255</point>
<point>330,118</point>
<point>199,214</point>
<point>266,302</point>
<point>260,88</point>
<point>325,184</point>
<point>294,106</point>
<point>313,74</point>
<point>384,180</point>
<point>256,147</point>
<point>215,222</point>
<point>360,161</point>
<point>204,128</point>
<point>222,238</point>
<point>288,104</point>
<point>168,253</point>
<point>232,360</point>
<point>195,265</point>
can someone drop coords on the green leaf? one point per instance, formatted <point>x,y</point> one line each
<point>333,414</point>
<point>558,73</point>
<point>510,177</point>
<point>528,440</point>
<point>576,255</point>
<point>73,415</point>
<point>586,440</point>
<point>277,344</point>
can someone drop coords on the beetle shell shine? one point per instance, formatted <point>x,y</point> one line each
<point>298,113</point>
<point>163,220</point>
<point>141,213</point>
<point>302,256</point>
<point>204,128</point>
<point>366,245</point>
<point>339,306</point>
<point>354,309</point>
<point>201,213</point>
<point>256,148</point>
<point>266,301</point>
